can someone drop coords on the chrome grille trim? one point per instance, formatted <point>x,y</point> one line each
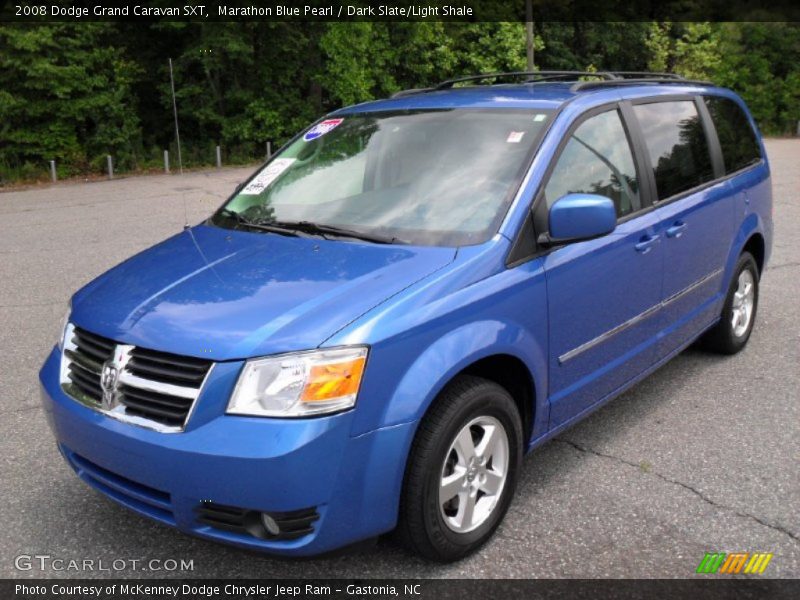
<point>168,389</point>
<point>81,377</point>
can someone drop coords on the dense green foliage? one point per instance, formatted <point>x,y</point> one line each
<point>76,92</point>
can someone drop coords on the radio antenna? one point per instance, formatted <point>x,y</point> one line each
<point>178,140</point>
<point>185,211</point>
<point>175,112</point>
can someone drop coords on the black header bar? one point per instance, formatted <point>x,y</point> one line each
<point>708,588</point>
<point>398,10</point>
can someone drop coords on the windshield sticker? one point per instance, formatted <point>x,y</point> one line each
<point>321,129</point>
<point>539,117</point>
<point>515,137</point>
<point>269,174</point>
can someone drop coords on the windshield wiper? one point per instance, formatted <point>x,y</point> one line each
<point>295,228</point>
<point>262,226</point>
<point>322,229</point>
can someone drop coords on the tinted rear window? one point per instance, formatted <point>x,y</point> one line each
<point>736,136</point>
<point>677,145</point>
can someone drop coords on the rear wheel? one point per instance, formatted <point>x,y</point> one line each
<point>462,470</point>
<point>739,311</point>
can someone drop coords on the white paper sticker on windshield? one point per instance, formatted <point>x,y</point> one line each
<point>321,129</point>
<point>539,117</point>
<point>515,137</point>
<point>269,174</point>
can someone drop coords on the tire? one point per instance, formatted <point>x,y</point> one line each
<point>443,531</point>
<point>725,337</point>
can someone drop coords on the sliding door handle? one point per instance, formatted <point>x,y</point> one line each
<point>676,230</point>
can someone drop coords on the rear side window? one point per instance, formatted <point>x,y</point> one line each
<point>736,136</point>
<point>597,160</point>
<point>677,145</point>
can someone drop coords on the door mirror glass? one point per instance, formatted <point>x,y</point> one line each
<point>577,217</point>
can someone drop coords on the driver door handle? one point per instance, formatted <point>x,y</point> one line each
<point>646,243</point>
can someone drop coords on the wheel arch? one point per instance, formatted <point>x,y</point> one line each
<point>498,351</point>
<point>510,373</point>
<point>756,246</point>
<point>749,237</point>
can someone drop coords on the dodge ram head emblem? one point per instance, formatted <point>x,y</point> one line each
<point>111,373</point>
<point>108,383</point>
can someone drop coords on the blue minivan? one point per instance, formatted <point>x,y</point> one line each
<point>409,296</point>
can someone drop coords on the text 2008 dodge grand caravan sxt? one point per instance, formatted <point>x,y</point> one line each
<point>413,293</point>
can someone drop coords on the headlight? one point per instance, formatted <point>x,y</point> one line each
<point>63,330</point>
<point>299,384</point>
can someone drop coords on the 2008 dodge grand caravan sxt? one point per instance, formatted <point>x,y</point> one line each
<point>410,295</point>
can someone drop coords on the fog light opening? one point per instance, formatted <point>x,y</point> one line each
<point>270,524</point>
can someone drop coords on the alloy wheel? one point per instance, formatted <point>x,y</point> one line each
<point>743,303</point>
<point>474,474</point>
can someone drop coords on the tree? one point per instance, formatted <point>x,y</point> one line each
<point>75,92</point>
<point>689,49</point>
<point>760,61</point>
<point>65,94</point>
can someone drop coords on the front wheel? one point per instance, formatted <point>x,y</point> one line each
<point>462,470</point>
<point>739,311</point>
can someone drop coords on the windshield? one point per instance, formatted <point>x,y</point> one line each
<point>439,177</point>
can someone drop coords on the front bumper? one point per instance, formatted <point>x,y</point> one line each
<point>255,463</point>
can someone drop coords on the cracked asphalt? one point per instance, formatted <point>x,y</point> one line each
<point>701,456</point>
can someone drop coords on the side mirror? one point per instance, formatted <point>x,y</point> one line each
<point>577,217</point>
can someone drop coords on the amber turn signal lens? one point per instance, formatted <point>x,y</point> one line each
<point>334,380</point>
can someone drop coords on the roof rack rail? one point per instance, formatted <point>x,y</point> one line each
<point>411,92</point>
<point>646,74</point>
<point>586,85</point>
<point>533,76</point>
<point>599,79</point>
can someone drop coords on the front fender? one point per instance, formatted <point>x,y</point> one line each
<point>420,339</point>
<point>454,352</point>
<point>419,385</point>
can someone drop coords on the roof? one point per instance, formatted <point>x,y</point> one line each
<point>526,95</point>
<point>543,94</point>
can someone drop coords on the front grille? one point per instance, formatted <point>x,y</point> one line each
<point>292,525</point>
<point>168,368</point>
<point>170,410</point>
<point>153,388</point>
<point>86,353</point>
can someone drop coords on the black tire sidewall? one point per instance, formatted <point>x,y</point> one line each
<point>486,400</point>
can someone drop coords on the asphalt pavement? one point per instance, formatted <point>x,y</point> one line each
<point>702,456</point>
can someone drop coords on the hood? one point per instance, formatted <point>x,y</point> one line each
<point>223,294</point>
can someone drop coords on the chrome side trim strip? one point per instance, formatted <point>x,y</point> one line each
<point>637,319</point>
<point>691,288</point>
<point>608,334</point>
